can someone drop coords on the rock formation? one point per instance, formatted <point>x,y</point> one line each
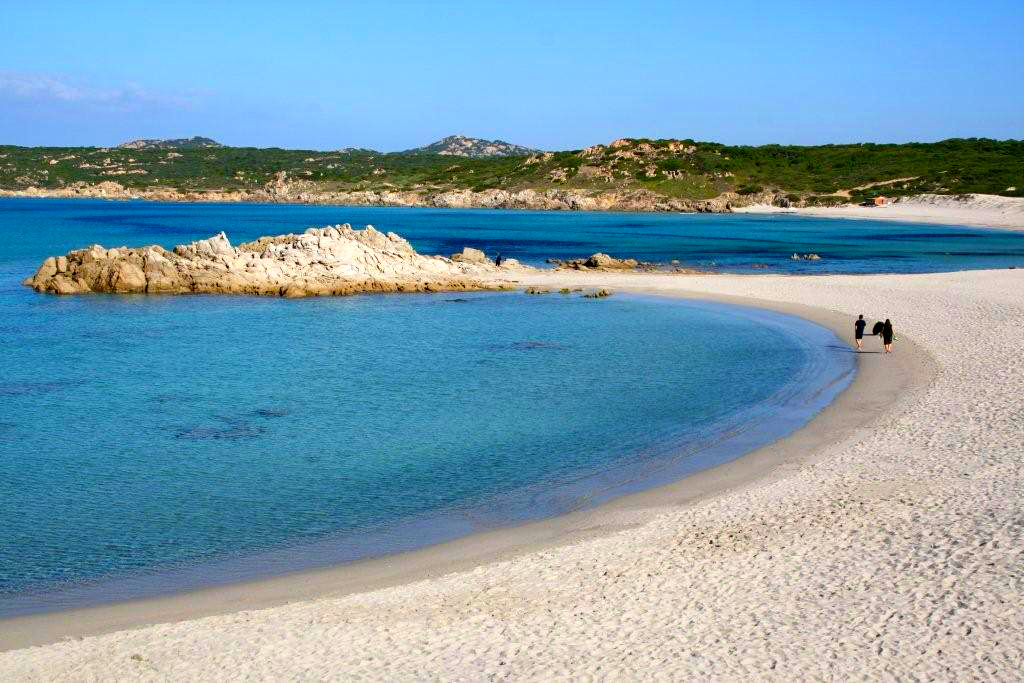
<point>470,255</point>
<point>473,148</point>
<point>196,142</point>
<point>601,261</point>
<point>282,189</point>
<point>328,261</point>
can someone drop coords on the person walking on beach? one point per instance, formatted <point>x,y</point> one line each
<point>887,336</point>
<point>858,332</point>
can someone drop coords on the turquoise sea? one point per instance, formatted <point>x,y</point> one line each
<point>153,444</point>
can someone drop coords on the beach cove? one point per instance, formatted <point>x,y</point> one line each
<point>688,350</point>
<point>874,550</point>
<point>873,467</point>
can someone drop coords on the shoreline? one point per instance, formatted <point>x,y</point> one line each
<point>867,398</point>
<point>1008,213</point>
<point>1004,213</point>
<point>895,551</point>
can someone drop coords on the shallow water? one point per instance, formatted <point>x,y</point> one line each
<point>144,434</point>
<point>150,444</point>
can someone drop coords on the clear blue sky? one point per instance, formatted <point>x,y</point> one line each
<point>555,75</point>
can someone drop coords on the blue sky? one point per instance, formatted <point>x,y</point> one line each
<point>554,75</point>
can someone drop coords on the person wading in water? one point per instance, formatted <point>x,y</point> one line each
<point>858,332</point>
<point>887,336</point>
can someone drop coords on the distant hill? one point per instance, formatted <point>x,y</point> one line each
<point>664,170</point>
<point>179,143</point>
<point>472,148</point>
<point>357,150</point>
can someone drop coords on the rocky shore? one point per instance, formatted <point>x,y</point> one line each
<point>287,191</point>
<point>328,261</point>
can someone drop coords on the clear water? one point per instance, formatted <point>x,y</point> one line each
<point>150,444</point>
<point>145,434</point>
<point>726,242</point>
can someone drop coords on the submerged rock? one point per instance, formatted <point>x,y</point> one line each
<point>36,388</point>
<point>230,433</point>
<point>328,261</point>
<point>272,412</point>
<point>535,345</point>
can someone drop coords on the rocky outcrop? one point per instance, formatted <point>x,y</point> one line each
<point>282,189</point>
<point>321,262</point>
<point>600,261</point>
<point>598,293</point>
<point>473,148</point>
<point>196,142</point>
<point>470,255</point>
<point>586,200</point>
<point>604,262</point>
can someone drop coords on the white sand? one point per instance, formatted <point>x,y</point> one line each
<point>896,552</point>
<point>981,210</point>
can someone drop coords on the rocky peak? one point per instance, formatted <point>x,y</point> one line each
<point>196,142</point>
<point>356,150</point>
<point>462,146</point>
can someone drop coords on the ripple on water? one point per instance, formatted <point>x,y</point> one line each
<point>36,388</point>
<point>359,426</point>
<point>272,412</point>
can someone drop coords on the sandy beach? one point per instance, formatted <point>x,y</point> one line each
<point>883,540</point>
<point>978,210</point>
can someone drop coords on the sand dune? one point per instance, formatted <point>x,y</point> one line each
<point>980,210</point>
<point>894,552</point>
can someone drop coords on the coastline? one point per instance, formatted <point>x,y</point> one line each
<point>980,211</point>
<point>893,549</point>
<point>632,200</point>
<point>867,397</point>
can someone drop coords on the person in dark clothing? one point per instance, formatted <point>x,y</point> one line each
<point>887,336</point>
<point>858,332</point>
<point>497,259</point>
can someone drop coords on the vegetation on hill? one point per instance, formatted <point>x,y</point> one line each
<point>673,168</point>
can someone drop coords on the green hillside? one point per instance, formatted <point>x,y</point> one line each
<point>674,168</point>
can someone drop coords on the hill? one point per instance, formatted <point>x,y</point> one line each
<point>627,174</point>
<point>472,148</point>
<point>179,143</point>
